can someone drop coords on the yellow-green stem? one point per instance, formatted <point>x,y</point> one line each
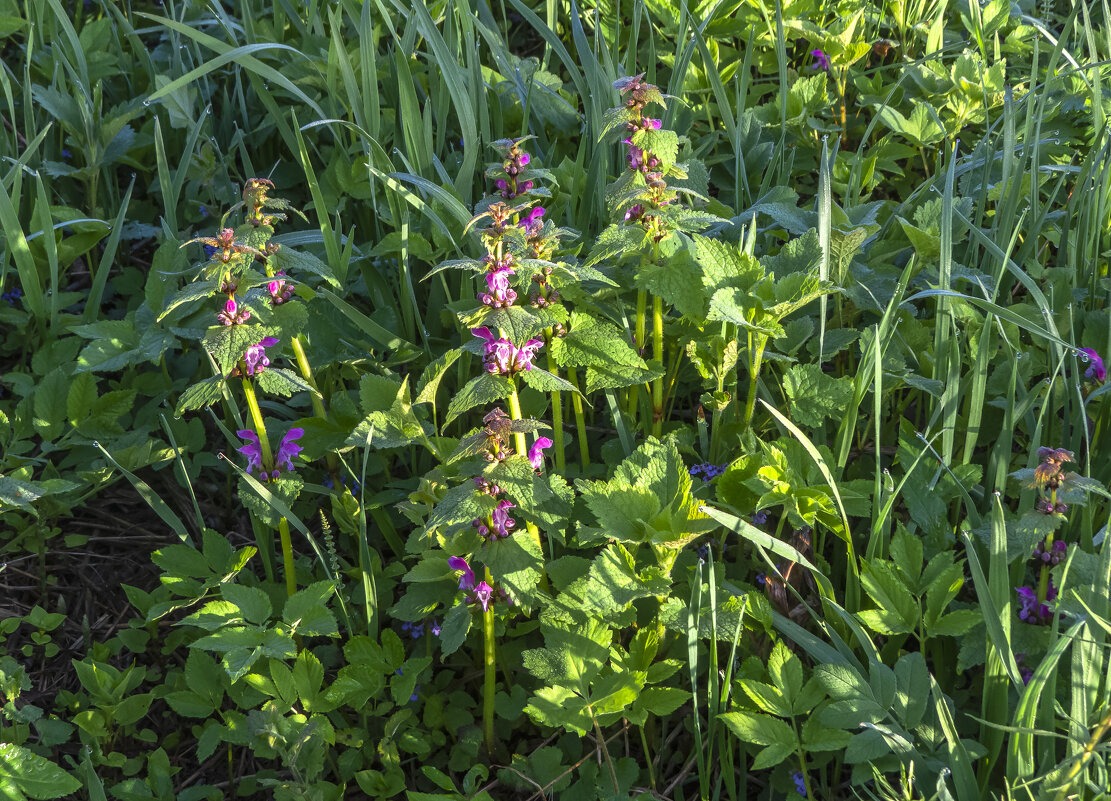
<point>489,669</point>
<point>557,413</point>
<point>287,557</point>
<point>515,414</point>
<point>580,420</point>
<point>260,426</point>
<point>306,373</point>
<point>658,352</point>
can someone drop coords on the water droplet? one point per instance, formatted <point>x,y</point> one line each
<point>1083,358</point>
<point>208,109</point>
<point>1056,141</point>
<point>146,102</point>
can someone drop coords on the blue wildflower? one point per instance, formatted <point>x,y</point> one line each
<point>800,783</point>
<point>12,295</point>
<point>760,518</point>
<point>209,251</point>
<point>415,695</point>
<point>203,210</point>
<point>761,578</point>
<point>66,154</point>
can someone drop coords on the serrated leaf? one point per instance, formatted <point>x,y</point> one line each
<point>298,264</point>
<point>480,390</point>
<point>457,622</point>
<point>196,290</point>
<point>543,381</point>
<point>816,396</point>
<point>200,395</point>
<point>281,382</point>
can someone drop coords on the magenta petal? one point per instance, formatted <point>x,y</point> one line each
<point>483,333</point>
<point>466,581</point>
<point>482,594</point>
<point>268,342</point>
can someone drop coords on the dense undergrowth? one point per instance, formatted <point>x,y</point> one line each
<point>636,400</point>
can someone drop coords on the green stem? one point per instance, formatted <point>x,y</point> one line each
<point>515,414</point>
<point>260,426</point>
<point>756,356</point>
<point>306,373</point>
<point>287,557</point>
<point>522,449</point>
<point>658,352</point>
<point>557,413</point>
<point>647,757</point>
<point>605,752</point>
<point>580,420</point>
<point>490,671</point>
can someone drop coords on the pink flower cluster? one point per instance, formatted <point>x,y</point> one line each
<point>280,290</point>
<point>232,314</point>
<point>502,357</point>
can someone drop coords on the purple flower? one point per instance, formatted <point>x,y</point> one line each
<point>1095,369</point>
<point>482,595</point>
<point>821,61</point>
<point>1032,611</point>
<point>651,124</point>
<point>760,518</point>
<point>66,154</point>
<point>466,581</point>
<point>536,452</point>
<point>634,213</point>
<point>435,628</point>
<point>503,357</point>
<point>255,358</point>
<point>500,294</point>
<point>501,519</point>
<point>288,449</point>
<point>251,450</point>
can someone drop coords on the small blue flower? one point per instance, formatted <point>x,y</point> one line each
<point>800,783</point>
<point>203,210</point>
<point>330,485</point>
<point>12,296</point>
<point>209,251</point>
<point>415,695</point>
<point>760,518</point>
<point>66,154</point>
<point>761,579</point>
<point>703,552</point>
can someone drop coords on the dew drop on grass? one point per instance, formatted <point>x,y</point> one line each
<point>146,103</point>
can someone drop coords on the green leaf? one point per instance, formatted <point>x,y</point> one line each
<point>763,730</point>
<point>615,582</point>
<point>253,603</point>
<point>195,290</point>
<point>307,613</point>
<point>33,775</point>
<point>898,611</point>
<point>298,264</point>
<point>457,622</point>
<point>200,395</point>
<point>767,697</point>
<point>543,381</point>
<point>816,396</point>
<point>50,404</point>
<point>678,280</point>
<point>480,390</point>
<point>281,382</point>
<point>619,376</point>
<point>82,395</point>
